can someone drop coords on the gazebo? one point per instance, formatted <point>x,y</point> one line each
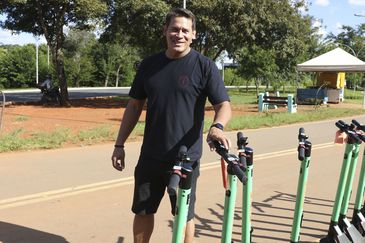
<point>330,64</point>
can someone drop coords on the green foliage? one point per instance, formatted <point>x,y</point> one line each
<point>276,119</point>
<point>97,134</point>
<point>139,20</point>
<point>14,140</point>
<point>18,67</point>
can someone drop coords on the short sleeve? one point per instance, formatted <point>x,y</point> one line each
<point>215,88</point>
<point>137,90</point>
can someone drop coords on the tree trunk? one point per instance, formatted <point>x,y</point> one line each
<point>117,76</point>
<point>60,70</point>
<point>106,80</point>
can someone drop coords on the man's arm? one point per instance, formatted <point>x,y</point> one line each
<point>222,116</point>
<point>129,121</point>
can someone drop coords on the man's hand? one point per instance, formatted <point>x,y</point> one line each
<point>118,158</point>
<point>216,134</point>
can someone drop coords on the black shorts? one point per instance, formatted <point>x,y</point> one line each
<point>150,186</point>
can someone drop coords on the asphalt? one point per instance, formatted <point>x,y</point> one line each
<point>74,195</point>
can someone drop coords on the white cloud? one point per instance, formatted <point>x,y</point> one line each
<point>321,29</point>
<point>338,28</point>
<point>324,2</point>
<point>357,2</point>
<point>8,38</point>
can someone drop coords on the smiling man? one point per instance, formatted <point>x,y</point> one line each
<point>176,84</point>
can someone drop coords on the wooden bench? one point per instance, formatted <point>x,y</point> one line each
<point>267,102</point>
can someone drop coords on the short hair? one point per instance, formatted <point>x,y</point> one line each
<point>180,12</point>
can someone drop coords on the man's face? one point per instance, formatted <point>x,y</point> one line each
<point>179,35</point>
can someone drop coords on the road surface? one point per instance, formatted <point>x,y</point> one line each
<point>32,95</point>
<point>74,195</point>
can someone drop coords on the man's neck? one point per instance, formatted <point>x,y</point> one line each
<point>177,55</point>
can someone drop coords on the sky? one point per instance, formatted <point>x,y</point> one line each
<point>330,16</point>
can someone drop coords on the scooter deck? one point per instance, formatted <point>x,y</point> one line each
<point>355,235</point>
<point>341,237</point>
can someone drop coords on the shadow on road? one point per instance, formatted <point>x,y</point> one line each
<point>19,234</point>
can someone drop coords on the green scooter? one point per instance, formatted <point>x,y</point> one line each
<point>335,234</point>
<point>304,155</point>
<point>238,168</point>
<point>180,185</point>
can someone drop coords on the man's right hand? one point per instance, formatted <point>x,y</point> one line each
<point>118,158</point>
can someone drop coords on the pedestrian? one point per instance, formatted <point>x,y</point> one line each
<point>176,84</point>
<point>46,85</point>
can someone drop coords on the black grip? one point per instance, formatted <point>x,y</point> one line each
<point>301,131</point>
<point>229,158</point>
<point>239,173</point>
<point>243,162</point>
<point>173,184</point>
<point>182,155</point>
<point>356,123</point>
<point>353,137</point>
<point>301,147</point>
<point>240,143</point>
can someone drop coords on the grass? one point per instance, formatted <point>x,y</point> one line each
<point>15,140</point>
<point>21,118</point>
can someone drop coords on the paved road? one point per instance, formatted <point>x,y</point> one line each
<point>73,195</point>
<point>31,95</point>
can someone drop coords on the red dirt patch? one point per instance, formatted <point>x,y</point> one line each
<point>86,114</point>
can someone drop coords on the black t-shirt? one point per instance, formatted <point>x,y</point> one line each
<point>176,92</point>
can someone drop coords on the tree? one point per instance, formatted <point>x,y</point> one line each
<point>77,49</point>
<point>222,25</point>
<point>138,21</point>
<point>49,18</point>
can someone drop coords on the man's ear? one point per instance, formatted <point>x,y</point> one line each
<point>194,34</point>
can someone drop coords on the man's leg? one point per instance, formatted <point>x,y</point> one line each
<point>189,231</point>
<point>142,228</point>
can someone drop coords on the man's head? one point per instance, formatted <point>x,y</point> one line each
<point>179,30</point>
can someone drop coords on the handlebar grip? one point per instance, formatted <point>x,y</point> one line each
<point>239,173</point>
<point>356,123</point>
<point>301,131</point>
<point>301,148</point>
<point>173,184</point>
<point>182,155</point>
<point>340,125</point>
<point>243,162</point>
<point>240,140</point>
<point>301,152</point>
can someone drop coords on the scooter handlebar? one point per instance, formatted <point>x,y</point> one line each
<point>176,173</point>
<point>231,160</point>
<point>301,147</point>
<point>349,131</point>
<point>173,184</point>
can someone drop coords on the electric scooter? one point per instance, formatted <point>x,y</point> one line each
<point>238,168</point>
<point>304,155</point>
<point>358,219</point>
<point>180,186</point>
<point>335,234</point>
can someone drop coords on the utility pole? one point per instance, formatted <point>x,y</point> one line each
<point>36,59</point>
<point>184,3</point>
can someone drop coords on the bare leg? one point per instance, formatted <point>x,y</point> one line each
<point>142,228</point>
<point>189,231</point>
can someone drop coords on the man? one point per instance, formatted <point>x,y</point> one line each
<point>46,85</point>
<point>175,84</point>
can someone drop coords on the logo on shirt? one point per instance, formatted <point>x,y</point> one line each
<point>183,81</point>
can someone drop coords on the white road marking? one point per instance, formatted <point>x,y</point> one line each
<point>65,192</point>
